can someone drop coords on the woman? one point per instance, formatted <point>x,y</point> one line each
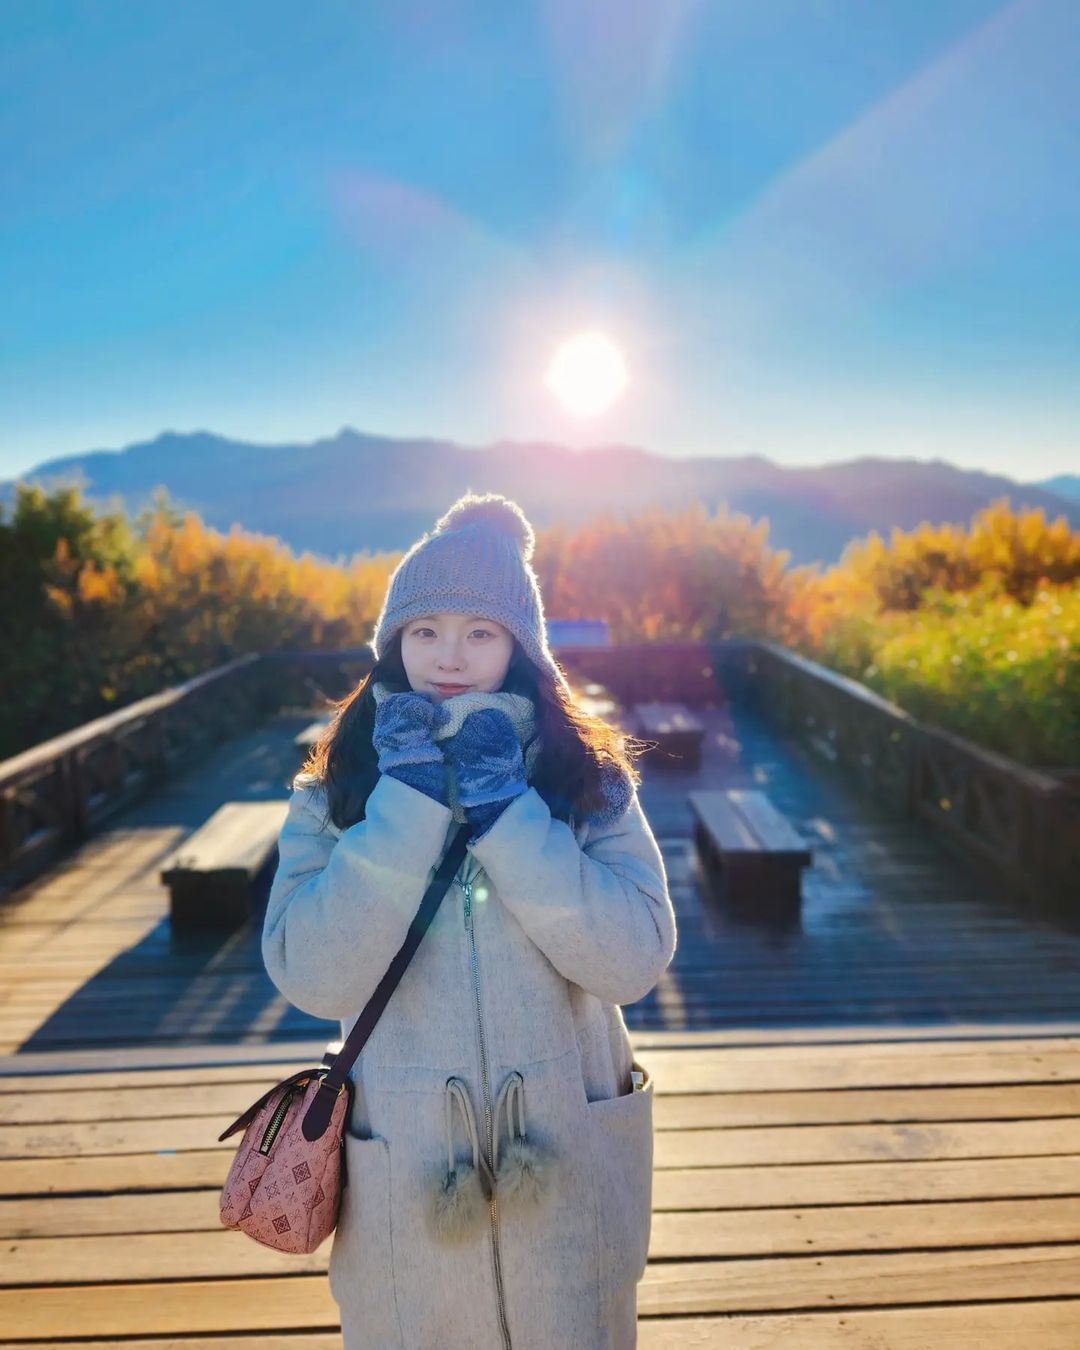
<point>466,1223</point>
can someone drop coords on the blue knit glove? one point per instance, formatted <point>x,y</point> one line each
<point>403,736</point>
<point>488,765</point>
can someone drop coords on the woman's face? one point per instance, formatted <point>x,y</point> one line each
<point>455,649</point>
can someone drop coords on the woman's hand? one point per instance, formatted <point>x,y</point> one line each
<point>403,738</point>
<point>489,767</point>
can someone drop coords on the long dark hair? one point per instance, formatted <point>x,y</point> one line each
<point>574,744</point>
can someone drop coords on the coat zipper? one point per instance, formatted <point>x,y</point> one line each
<point>467,886</point>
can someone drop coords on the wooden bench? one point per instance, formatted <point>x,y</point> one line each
<point>215,875</point>
<point>676,730</point>
<point>750,852</point>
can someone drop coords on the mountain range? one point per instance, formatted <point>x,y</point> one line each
<point>353,492</point>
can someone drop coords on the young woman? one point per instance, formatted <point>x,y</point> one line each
<point>499,1153</point>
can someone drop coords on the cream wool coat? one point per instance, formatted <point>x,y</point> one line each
<point>511,1001</point>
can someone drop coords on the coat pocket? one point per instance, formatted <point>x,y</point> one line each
<point>621,1130</point>
<point>361,1268</point>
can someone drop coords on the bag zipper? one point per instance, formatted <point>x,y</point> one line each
<point>467,887</point>
<point>277,1119</point>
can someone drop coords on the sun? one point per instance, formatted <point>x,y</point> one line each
<point>587,374</point>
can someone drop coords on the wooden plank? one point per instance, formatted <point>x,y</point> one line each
<point>674,1188</point>
<point>867,1183</point>
<point>695,1111</point>
<point>832,960</point>
<point>918,1038</point>
<point>209,1251</point>
<point>104,1175</point>
<point>74,1024</point>
<point>84,1068</point>
<point>844,1228</point>
<point>270,1065</point>
<point>46,952</point>
<point>300,1340</point>
<point>773,829</point>
<point>747,1069</point>
<point>1046,1324</point>
<point>993,1326</point>
<point>171,1307</point>
<point>712,1191</point>
<point>671,1110</point>
<point>100,1068</point>
<point>896,1278</point>
<point>808,1283</point>
<point>1049,1325</point>
<point>62,1034</point>
<point>86,1215</point>
<point>741,1067</point>
<point>64,1024</point>
<point>996,1326</point>
<point>673,1148</point>
<point>864,1143</point>
<point>77,1023</point>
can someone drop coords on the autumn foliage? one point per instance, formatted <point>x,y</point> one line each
<point>975,628</point>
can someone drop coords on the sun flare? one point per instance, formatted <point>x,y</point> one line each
<point>587,374</point>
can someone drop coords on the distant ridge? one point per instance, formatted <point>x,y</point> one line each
<point>351,492</point>
<point>1064,484</point>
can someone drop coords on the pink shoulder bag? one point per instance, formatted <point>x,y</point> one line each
<point>284,1186</point>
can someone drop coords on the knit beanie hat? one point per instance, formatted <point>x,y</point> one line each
<point>475,561</point>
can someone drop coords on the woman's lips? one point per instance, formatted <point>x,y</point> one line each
<point>452,688</point>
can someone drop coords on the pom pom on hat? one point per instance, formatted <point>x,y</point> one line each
<point>494,510</point>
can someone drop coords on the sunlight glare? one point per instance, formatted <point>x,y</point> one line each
<point>587,374</point>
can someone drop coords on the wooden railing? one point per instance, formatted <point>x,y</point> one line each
<point>55,794</point>
<point>1020,823</point>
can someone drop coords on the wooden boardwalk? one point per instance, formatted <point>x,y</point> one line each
<point>867,1128</point>
<point>808,1193</point>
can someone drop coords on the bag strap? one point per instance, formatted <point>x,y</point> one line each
<point>317,1116</point>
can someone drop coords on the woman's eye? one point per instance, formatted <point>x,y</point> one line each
<point>419,632</point>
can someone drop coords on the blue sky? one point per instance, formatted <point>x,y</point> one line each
<point>816,228</point>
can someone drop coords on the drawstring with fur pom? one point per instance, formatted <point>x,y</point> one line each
<point>459,1198</point>
<point>524,1174</point>
<point>457,1204</point>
